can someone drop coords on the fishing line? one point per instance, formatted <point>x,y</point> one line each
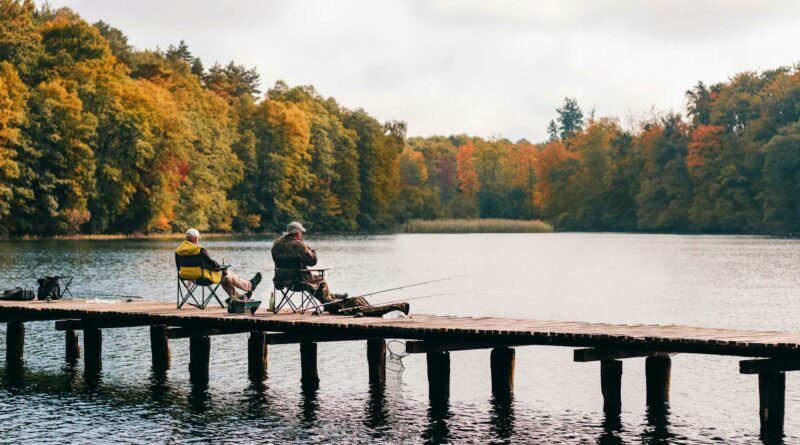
<point>350,309</point>
<point>339,300</point>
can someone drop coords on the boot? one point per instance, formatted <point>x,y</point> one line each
<point>254,281</point>
<point>253,284</point>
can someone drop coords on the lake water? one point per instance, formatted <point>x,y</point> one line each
<point>713,281</point>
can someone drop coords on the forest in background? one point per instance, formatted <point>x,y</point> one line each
<point>99,137</point>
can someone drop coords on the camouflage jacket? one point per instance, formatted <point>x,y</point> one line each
<point>291,256</point>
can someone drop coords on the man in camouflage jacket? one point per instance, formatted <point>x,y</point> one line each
<point>292,256</point>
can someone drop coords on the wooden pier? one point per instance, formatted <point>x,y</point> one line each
<point>770,354</point>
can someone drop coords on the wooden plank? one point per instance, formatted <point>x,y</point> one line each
<point>596,355</point>
<point>176,333</point>
<point>79,325</point>
<point>287,339</point>
<point>423,347</point>
<point>765,366</point>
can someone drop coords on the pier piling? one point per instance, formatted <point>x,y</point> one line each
<point>15,344</point>
<point>438,377</point>
<point>199,356</point>
<point>92,350</point>
<point>73,347</point>
<point>309,378</point>
<point>611,386</point>
<point>771,394</point>
<point>257,354</point>
<point>376,360</point>
<point>502,361</point>
<point>658,374</point>
<point>159,347</point>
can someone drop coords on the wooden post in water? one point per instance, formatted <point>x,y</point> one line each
<point>159,348</point>
<point>73,347</point>
<point>376,360</point>
<point>199,356</point>
<point>657,373</point>
<point>611,385</point>
<point>15,344</point>
<point>257,349</point>
<point>771,395</point>
<point>92,350</point>
<point>502,364</point>
<point>438,377</point>
<point>309,378</point>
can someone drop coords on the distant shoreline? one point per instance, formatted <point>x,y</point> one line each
<point>416,226</point>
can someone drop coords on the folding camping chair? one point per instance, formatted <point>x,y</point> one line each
<point>298,287</point>
<point>187,289</point>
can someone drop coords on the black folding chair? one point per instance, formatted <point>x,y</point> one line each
<point>299,288</point>
<point>187,289</point>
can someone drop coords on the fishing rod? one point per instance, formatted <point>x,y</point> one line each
<point>339,300</point>
<point>106,294</point>
<point>349,309</point>
<point>410,285</point>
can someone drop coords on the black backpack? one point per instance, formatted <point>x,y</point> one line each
<point>17,294</point>
<point>49,288</point>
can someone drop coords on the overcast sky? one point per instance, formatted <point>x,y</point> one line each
<point>487,68</point>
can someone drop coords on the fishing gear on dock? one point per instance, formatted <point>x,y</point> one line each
<point>345,311</point>
<point>339,300</point>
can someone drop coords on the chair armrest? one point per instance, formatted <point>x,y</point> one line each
<point>220,268</point>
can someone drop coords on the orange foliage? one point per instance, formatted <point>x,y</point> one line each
<point>549,159</point>
<point>465,170</point>
<point>523,163</point>
<point>704,145</point>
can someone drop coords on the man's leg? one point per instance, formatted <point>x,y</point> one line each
<point>231,282</point>
<point>323,293</point>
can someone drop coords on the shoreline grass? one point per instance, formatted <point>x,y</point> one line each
<point>476,226</point>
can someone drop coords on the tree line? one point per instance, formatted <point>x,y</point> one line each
<point>100,137</point>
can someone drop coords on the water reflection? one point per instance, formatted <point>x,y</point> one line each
<point>309,405</point>
<point>612,427</point>
<point>502,425</point>
<point>657,432</point>
<point>199,397</point>
<point>14,379</point>
<point>438,428</point>
<point>256,400</point>
<point>376,412</point>
<point>770,437</point>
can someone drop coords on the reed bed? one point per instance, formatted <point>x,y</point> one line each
<point>476,226</point>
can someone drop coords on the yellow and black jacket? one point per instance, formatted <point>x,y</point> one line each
<point>194,263</point>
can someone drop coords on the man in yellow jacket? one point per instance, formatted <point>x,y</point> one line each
<point>194,263</point>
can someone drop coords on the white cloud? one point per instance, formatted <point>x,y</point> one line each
<point>473,66</point>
